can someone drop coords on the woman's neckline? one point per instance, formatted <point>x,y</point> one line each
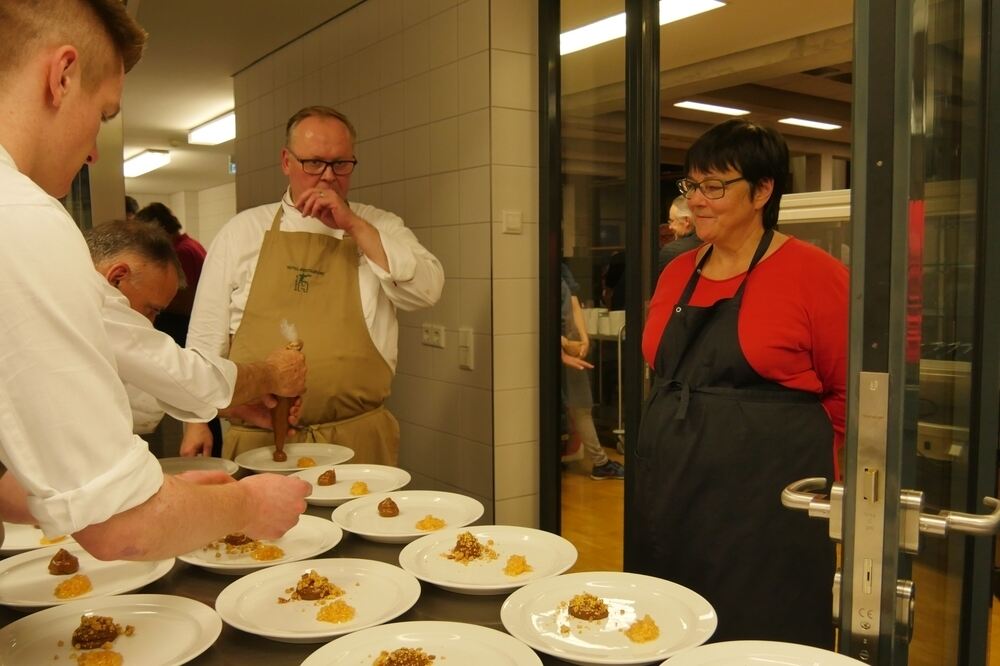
<point>742,273</point>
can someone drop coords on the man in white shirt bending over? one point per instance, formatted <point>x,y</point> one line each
<point>73,464</point>
<point>143,272</point>
<point>334,268</point>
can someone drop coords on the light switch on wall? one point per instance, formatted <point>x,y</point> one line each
<point>466,353</point>
<point>511,222</point>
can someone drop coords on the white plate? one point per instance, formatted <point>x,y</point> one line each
<point>380,479</point>
<point>19,538</point>
<point>361,517</point>
<point>536,612</point>
<point>198,463</point>
<point>310,537</point>
<point>762,653</point>
<point>452,643</point>
<point>548,555</point>
<point>168,630</point>
<point>25,580</point>
<point>261,460</point>
<point>377,591</point>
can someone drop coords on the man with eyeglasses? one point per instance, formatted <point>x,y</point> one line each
<point>336,269</point>
<point>682,226</point>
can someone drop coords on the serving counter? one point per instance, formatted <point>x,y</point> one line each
<point>236,647</point>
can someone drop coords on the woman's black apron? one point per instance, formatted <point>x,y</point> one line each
<point>717,445</point>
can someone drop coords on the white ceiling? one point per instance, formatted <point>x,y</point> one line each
<point>185,77</point>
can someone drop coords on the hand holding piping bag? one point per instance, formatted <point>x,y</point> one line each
<point>279,415</point>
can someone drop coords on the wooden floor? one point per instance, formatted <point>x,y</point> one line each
<point>592,520</point>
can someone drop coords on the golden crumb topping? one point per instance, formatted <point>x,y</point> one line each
<point>468,548</point>
<point>306,461</point>
<point>312,587</point>
<point>98,631</point>
<point>404,657</point>
<point>359,488</point>
<point>643,631</point>
<point>588,607</point>
<point>73,587</point>
<point>240,545</point>
<point>267,552</point>
<point>429,523</point>
<point>45,541</point>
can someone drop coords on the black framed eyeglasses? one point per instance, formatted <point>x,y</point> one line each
<point>317,167</point>
<point>711,188</point>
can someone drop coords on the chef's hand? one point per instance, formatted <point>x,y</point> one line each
<point>288,372</point>
<point>333,210</point>
<point>258,413</point>
<point>274,504</point>
<point>197,440</point>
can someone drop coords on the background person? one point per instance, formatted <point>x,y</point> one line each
<point>748,341</point>
<point>131,207</point>
<point>338,270</point>
<point>681,224</point>
<point>73,464</point>
<point>577,397</point>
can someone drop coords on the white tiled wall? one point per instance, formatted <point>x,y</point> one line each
<point>443,95</point>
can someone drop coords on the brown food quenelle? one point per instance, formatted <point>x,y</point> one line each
<point>327,478</point>
<point>387,508</point>
<point>279,456</point>
<point>588,607</point>
<point>97,630</point>
<point>63,563</point>
<point>237,539</point>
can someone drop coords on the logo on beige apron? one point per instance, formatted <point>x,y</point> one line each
<point>302,277</point>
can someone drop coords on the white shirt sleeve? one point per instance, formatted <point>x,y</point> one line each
<point>190,385</point>
<point>415,277</point>
<point>65,425</point>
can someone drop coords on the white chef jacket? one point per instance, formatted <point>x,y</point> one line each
<point>160,376</point>
<point>65,426</point>
<point>414,280</point>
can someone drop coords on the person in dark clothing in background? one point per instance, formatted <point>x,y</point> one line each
<point>681,223</point>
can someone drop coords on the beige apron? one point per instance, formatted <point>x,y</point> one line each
<point>312,281</point>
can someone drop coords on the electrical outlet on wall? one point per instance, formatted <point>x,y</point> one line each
<point>432,335</point>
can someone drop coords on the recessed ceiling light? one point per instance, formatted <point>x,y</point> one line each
<point>214,132</point>
<point>144,162</point>
<point>613,27</point>
<point>815,124</point>
<point>711,108</point>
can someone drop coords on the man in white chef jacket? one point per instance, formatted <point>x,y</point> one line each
<point>338,270</point>
<point>143,273</point>
<point>73,464</point>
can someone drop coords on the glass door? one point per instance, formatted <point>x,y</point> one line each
<point>915,513</point>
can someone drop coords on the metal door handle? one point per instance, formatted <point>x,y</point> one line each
<point>965,523</point>
<point>794,496</point>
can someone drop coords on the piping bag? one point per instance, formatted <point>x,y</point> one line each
<point>279,413</point>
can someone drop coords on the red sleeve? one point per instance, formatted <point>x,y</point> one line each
<point>668,290</point>
<point>191,254</point>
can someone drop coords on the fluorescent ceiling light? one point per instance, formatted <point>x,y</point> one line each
<point>815,124</point>
<point>712,108</point>
<point>215,131</point>
<point>144,162</point>
<point>613,27</point>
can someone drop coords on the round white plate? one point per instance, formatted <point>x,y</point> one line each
<point>19,538</point>
<point>759,653</point>
<point>451,642</point>
<point>310,537</point>
<point>377,591</point>
<point>361,517</point>
<point>537,612</point>
<point>169,630</point>
<point>548,555</point>
<point>25,580</point>
<point>198,463</point>
<point>379,478</point>
<point>260,460</point>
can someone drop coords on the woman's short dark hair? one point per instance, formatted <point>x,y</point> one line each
<point>159,213</point>
<point>759,153</point>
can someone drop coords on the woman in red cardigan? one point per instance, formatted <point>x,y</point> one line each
<point>747,336</point>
